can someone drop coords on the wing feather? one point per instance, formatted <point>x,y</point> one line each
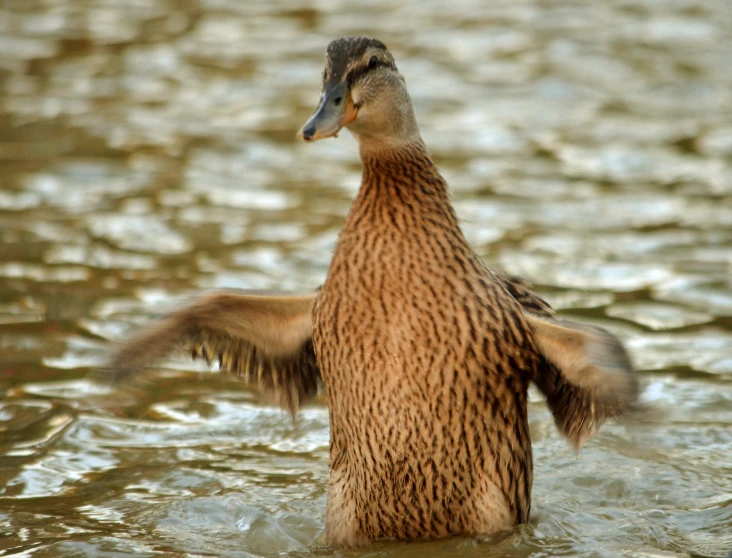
<point>266,340</point>
<point>585,372</point>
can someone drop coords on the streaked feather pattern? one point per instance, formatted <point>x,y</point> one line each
<point>425,355</point>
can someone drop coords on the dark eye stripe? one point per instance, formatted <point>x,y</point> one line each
<point>356,74</point>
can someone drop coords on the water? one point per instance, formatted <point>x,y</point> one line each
<point>147,153</point>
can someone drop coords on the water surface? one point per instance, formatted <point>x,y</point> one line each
<point>147,153</point>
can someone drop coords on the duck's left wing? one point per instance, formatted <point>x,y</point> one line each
<point>585,372</point>
<point>528,299</point>
<point>264,339</point>
<point>587,376</point>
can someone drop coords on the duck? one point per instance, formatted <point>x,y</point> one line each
<point>424,355</point>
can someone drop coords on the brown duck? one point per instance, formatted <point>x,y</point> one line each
<point>425,354</point>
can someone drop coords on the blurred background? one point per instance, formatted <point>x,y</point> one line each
<point>148,152</point>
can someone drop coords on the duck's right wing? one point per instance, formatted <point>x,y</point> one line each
<point>266,340</point>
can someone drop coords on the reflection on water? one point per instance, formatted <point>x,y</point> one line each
<point>147,152</point>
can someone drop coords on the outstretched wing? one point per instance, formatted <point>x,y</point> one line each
<point>587,377</point>
<point>585,373</point>
<point>266,340</point>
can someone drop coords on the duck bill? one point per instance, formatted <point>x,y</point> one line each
<point>336,110</point>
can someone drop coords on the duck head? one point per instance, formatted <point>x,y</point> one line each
<point>364,92</point>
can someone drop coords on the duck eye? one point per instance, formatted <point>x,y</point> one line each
<point>373,62</point>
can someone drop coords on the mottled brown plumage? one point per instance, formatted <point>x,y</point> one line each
<point>425,354</point>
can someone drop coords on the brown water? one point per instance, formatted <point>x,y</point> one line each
<point>147,153</point>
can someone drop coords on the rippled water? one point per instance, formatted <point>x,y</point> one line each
<point>147,152</point>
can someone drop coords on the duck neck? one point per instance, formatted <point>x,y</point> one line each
<point>401,187</point>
